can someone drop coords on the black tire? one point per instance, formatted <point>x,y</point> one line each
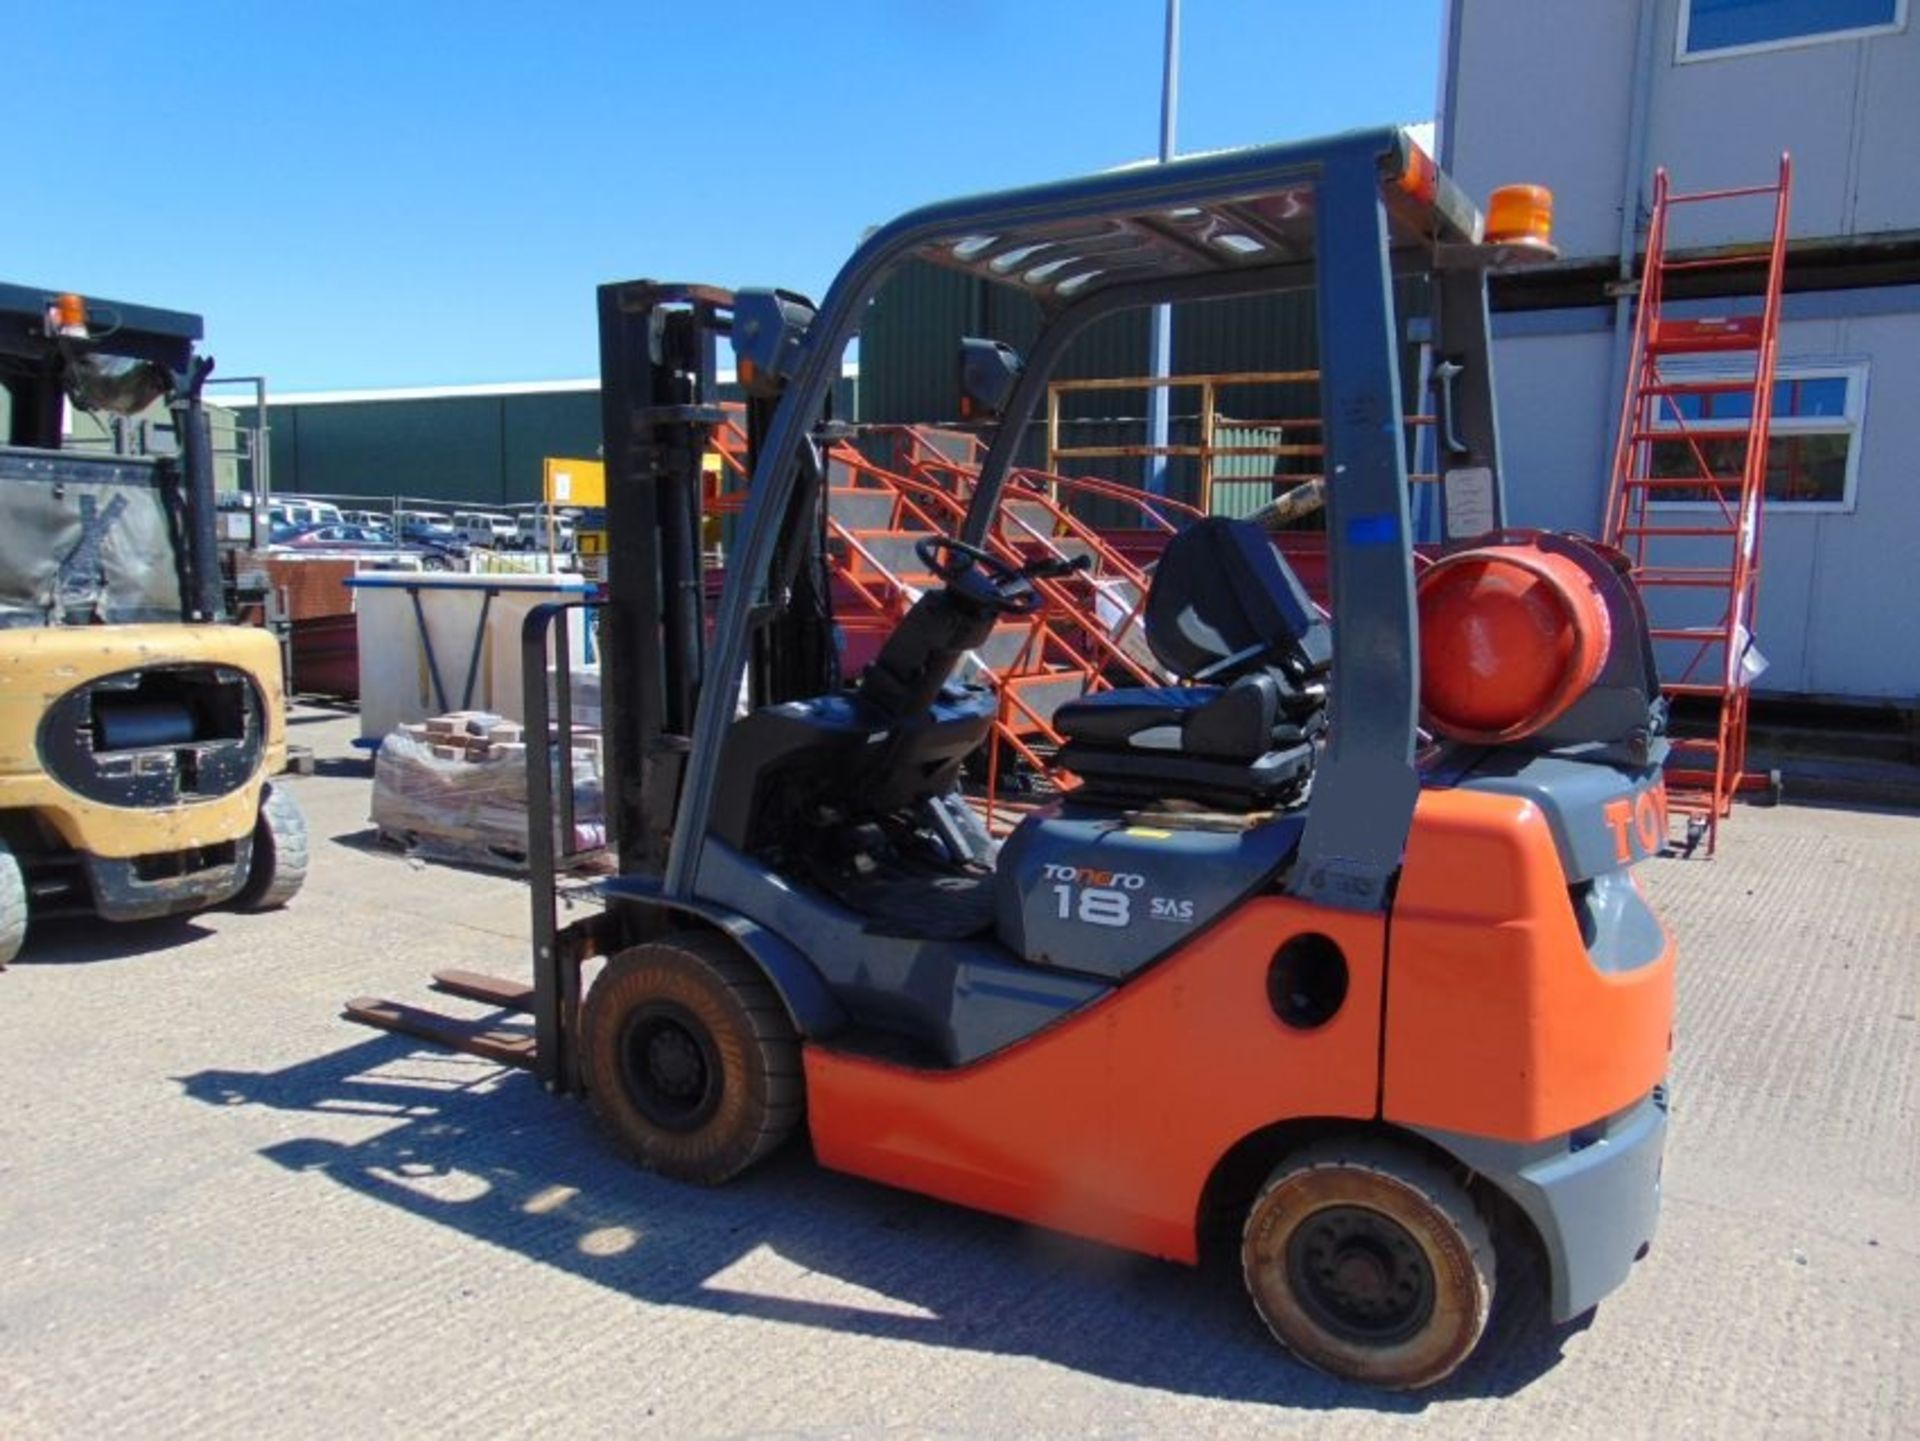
<point>1368,1260</point>
<point>278,867</point>
<point>691,1060</point>
<point>13,904</point>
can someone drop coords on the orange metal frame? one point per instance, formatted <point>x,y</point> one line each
<point>1207,451</point>
<point>1651,415</point>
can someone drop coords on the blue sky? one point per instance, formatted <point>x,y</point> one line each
<point>421,192</point>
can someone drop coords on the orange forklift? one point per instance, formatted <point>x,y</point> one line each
<point>1337,943</point>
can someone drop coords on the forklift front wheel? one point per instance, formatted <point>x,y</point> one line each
<point>278,867</point>
<point>13,905</point>
<point>691,1060</point>
<point>1370,1262</point>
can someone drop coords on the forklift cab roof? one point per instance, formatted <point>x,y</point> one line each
<point>87,534</point>
<point>139,332</point>
<point>1237,211</point>
<point>1342,214</point>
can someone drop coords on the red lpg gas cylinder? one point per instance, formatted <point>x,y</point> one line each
<point>1510,636</point>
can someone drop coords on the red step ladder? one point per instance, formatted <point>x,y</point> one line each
<point>1686,498</point>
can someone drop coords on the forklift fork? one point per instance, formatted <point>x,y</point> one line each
<point>553,998</point>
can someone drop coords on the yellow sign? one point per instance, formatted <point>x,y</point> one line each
<point>591,542</point>
<point>574,482</point>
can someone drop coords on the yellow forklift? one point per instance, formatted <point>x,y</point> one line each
<point>139,730</point>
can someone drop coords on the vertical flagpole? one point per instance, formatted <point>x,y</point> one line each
<point>1160,333</point>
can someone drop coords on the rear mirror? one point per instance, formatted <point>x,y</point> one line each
<point>988,372</point>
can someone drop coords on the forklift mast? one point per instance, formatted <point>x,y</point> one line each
<point>660,405</point>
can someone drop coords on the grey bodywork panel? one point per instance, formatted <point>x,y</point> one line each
<point>1621,931</point>
<point>1365,785</point>
<point>962,1000</point>
<point>86,539</point>
<point>1593,1196</point>
<point>122,893</point>
<point>812,1007</point>
<point>1103,894</point>
<point>1592,807</point>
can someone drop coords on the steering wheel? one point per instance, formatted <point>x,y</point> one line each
<point>996,584</point>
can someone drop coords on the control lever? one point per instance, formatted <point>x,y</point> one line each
<point>1052,567</point>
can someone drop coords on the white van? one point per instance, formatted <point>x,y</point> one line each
<point>304,513</point>
<point>534,532</point>
<point>484,527</point>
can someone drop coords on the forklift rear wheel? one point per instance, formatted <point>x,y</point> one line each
<point>13,905</point>
<point>278,867</point>
<point>1371,1262</point>
<point>691,1060</point>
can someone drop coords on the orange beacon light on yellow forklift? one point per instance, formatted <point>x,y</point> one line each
<point>67,316</point>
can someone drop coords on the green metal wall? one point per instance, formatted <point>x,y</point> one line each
<point>485,449</point>
<point>910,346</point>
<point>481,448</point>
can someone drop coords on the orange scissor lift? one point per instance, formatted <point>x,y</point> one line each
<point>1686,503</point>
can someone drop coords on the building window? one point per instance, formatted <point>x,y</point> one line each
<point>1712,28</point>
<point>1813,445</point>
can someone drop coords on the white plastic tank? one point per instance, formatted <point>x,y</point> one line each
<point>465,628</point>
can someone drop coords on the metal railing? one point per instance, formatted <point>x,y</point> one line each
<point>1210,449</point>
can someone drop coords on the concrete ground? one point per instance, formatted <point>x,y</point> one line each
<point>224,1211</point>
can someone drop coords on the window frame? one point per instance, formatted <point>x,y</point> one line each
<point>1851,421</point>
<point>1683,56</point>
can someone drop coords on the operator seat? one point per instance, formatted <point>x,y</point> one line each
<point>897,737</point>
<point>1227,611</point>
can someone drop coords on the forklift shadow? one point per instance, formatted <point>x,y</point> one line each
<point>486,1152</point>
<point>353,767</point>
<point>86,940</point>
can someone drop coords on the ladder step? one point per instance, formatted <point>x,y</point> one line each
<point>1711,579</point>
<point>1688,803</point>
<point>1680,434</point>
<point>1684,482</point>
<point>1699,346</point>
<point>1695,197</point>
<point>1698,387</point>
<point>1717,262</point>
<point>1692,687</point>
<point>1708,335</point>
<point>1722,531</point>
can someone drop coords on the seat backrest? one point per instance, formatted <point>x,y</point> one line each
<point>1221,590</point>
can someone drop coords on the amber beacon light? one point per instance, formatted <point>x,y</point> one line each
<point>67,316</point>
<point>1521,215</point>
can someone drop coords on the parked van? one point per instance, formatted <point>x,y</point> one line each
<point>485,527</point>
<point>304,513</point>
<point>534,532</point>
<point>425,527</point>
<point>372,519</point>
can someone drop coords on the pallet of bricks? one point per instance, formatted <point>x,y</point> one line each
<point>454,788</point>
